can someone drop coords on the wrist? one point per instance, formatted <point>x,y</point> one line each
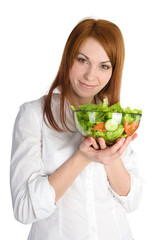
<point>83,158</point>
<point>113,163</point>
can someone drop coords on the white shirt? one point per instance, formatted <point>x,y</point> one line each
<point>89,209</point>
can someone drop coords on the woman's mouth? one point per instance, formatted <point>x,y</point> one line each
<point>86,85</point>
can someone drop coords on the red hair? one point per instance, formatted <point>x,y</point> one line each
<point>110,37</point>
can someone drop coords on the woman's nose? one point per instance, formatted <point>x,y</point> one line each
<point>90,73</point>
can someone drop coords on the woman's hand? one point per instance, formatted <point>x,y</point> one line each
<point>102,153</point>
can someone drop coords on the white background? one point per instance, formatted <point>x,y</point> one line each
<point>33,34</point>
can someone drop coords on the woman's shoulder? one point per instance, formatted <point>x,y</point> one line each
<point>32,110</point>
<point>34,105</point>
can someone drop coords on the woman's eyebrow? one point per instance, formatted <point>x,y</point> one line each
<point>108,61</point>
<point>83,55</point>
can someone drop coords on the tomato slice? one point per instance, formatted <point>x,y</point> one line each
<point>130,128</point>
<point>100,127</point>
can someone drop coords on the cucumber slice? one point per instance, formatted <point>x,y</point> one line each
<point>111,125</point>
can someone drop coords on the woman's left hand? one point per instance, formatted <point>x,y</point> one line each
<point>102,144</point>
<point>104,154</point>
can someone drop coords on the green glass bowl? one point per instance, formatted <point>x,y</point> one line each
<point>108,125</point>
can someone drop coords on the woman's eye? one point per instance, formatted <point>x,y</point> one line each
<point>105,67</point>
<point>82,60</point>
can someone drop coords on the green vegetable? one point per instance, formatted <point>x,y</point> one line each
<point>111,136</point>
<point>114,118</point>
<point>111,125</point>
<point>105,108</point>
<point>73,108</point>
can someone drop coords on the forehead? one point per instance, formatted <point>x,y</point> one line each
<point>93,49</point>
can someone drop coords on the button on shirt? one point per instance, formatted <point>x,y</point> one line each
<point>89,209</point>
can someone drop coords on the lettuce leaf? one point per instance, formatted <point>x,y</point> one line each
<point>92,114</point>
<point>105,108</point>
<point>109,136</point>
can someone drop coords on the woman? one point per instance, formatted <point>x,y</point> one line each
<point>69,188</point>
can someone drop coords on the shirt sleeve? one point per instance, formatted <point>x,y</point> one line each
<point>33,197</point>
<point>132,200</point>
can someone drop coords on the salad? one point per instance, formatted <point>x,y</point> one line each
<point>100,120</point>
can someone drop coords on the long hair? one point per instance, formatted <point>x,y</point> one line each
<point>110,37</point>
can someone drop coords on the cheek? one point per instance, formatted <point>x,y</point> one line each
<point>72,77</point>
<point>105,78</point>
<point>74,72</point>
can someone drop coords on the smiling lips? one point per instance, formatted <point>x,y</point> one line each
<point>86,85</point>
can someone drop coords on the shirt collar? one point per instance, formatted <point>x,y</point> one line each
<point>56,91</point>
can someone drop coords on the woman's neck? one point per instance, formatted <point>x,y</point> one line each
<point>76,101</point>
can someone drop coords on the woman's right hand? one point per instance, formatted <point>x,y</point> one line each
<point>102,153</point>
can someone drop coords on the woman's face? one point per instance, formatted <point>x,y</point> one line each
<point>90,72</point>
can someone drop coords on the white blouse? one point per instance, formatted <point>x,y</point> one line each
<point>89,209</point>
